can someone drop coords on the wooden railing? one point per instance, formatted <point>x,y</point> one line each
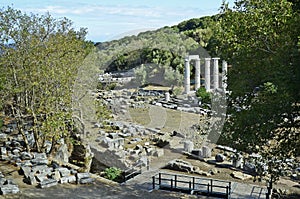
<point>192,185</point>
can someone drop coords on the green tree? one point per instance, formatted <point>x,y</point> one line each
<point>259,39</point>
<point>39,60</point>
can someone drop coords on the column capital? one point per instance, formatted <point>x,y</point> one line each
<point>216,58</point>
<point>207,59</point>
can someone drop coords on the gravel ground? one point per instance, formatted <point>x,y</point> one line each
<point>95,190</point>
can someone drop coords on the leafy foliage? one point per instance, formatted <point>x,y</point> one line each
<point>204,96</point>
<point>259,39</point>
<point>112,173</point>
<point>39,61</point>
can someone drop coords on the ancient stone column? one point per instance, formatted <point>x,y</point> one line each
<point>224,75</point>
<point>197,74</point>
<point>187,80</point>
<point>207,74</point>
<point>216,73</point>
<point>167,96</point>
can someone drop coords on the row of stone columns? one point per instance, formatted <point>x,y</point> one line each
<point>206,74</point>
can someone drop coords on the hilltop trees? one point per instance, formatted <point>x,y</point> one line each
<point>39,59</point>
<point>259,38</point>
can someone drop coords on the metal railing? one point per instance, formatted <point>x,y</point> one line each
<point>192,185</point>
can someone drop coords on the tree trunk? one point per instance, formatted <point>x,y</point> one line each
<point>19,121</point>
<point>270,189</point>
<point>35,133</point>
<point>20,129</point>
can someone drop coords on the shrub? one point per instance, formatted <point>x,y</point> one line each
<point>112,173</point>
<point>204,96</point>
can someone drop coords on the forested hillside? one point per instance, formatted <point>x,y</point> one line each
<point>166,46</point>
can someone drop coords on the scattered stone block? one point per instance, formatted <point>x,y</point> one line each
<point>124,135</point>
<point>237,161</point>
<point>64,171</point>
<point>62,153</point>
<point>26,163</point>
<point>40,155</point>
<point>48,183</point>
<point>42,169</point>
<point>220,157</point>
<point>16,151</point>
<point>138,147</point>
<point>180,165</point>
<point>30,179</point>
<point>86,180</point>
<point>64,180</point>
<point>147,143</point>
<point>72,179</point>
<point>240,175</point>
<point>9,189</point>
<point>188,146</point>
<point>40,177</point>
<point>80,176</point>
<point>2,181</point>
<point>226,148</point>
<point>24,170</point>
<point>3,153</point>
<point>250,167</point>
<point>56,175</point>
<point>15,144</point>
<point>203,173</point>
<point>113,135</point>
<point>197,152</point>
<point>25,156</point>
<point>149,151</point>
<point>39,161</point>
<point>73,171</point>
<point>206,152</point>
<point>3,137</point>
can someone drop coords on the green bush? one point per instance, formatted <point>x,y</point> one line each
<point>112,173</point>
<point>204,96</point>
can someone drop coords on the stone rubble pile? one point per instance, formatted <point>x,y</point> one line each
<point>189,104</point>
<point>7,186</point>
<point>35,167</point>
<point>110,149</point>
<point>37,172</point>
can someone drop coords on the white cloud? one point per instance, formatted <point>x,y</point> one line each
<point>101,10</point>
<point>116,19</point>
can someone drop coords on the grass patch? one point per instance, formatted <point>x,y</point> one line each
<point>174,121</point>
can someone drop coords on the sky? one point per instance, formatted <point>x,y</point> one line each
<point>111,19</point>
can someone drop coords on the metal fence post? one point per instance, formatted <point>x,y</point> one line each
<point>159,179</point>
<point>153,182</point>
<point>193,182</point>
